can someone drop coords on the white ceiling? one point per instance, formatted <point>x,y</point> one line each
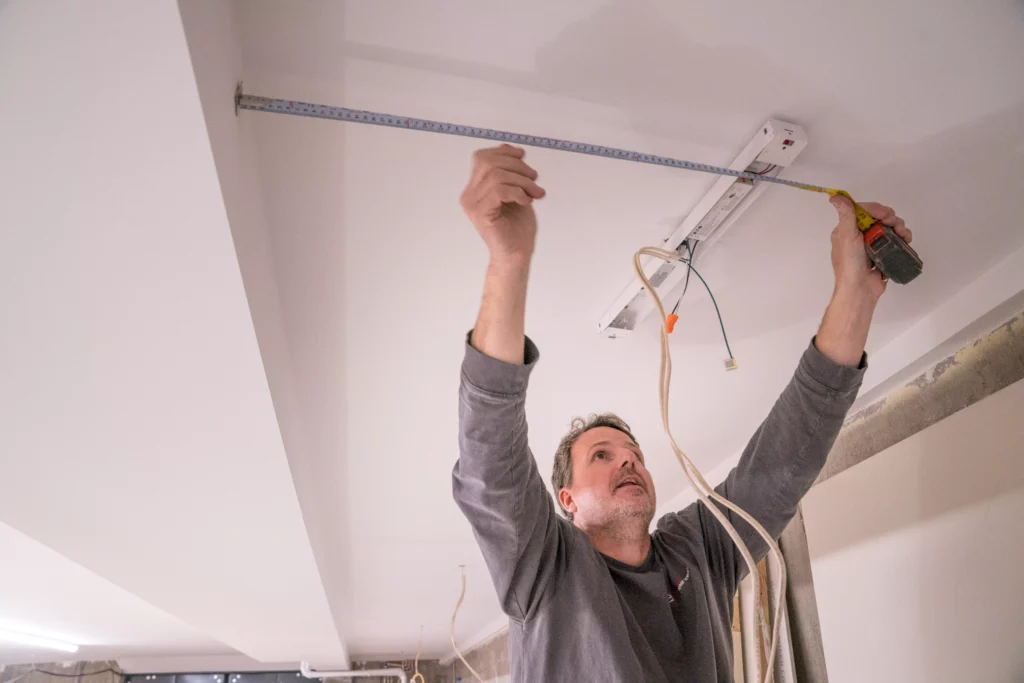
<point>675,80</point>
<point>139,438</point>
<point>324,520</point>
<point>43,594</point>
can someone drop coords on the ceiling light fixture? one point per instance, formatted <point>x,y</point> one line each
<point>10,636</point>
<point>771,150</point>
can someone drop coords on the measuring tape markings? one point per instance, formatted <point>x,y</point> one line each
<point>889,252</point>
<point>322,111</point>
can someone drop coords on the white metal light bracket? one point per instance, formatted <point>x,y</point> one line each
<point>774,147</point>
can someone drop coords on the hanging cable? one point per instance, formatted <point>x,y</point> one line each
<point>455,647</point>
<point>673,317</point>
<point>84,674</point>
<point>416,662</point>
<point>704,492</point>
<point>721,324</point>
<point>686,285</point>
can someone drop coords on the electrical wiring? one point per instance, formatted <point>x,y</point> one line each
<point>686,285</point>
<point>81,675</point>
<point>704,492</point>
<point>721,324</point>
<point>416,662</point>
<point>458,652</point>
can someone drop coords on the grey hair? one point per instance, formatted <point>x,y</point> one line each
<point>561,473</point>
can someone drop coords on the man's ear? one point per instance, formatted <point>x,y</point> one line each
<point>567,502</point>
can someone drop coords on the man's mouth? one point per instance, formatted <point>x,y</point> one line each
<point>629,481</point>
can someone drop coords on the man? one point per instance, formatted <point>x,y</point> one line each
<point>593,596</point>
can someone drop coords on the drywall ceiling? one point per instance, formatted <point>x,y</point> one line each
<point>47,594</point>
<point>907,103</point>
<point>232,390</point>
<point>138,436</point>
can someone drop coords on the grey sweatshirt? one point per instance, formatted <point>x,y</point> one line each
<point>577,615</point>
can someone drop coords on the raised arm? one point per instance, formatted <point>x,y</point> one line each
<point>858,285</point>
<point>496,482</point>
<point>788,450</point>
<point>499,202</point>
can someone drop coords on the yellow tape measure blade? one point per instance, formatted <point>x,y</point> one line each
<point>864,219</point>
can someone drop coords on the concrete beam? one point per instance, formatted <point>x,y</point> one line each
<point>79,672</point>
<point>980,367</point>
<point>490,659</point>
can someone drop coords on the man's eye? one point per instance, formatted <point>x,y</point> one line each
<point>601,454</point>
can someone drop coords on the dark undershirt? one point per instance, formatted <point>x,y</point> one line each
<point>657,605</point>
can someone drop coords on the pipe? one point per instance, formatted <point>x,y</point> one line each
<point>308,672</point>
<point>749,633</point>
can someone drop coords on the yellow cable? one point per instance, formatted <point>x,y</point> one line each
<point>704,492</point>
<point>455,647</point>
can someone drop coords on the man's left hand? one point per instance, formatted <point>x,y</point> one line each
<point>854,271</point>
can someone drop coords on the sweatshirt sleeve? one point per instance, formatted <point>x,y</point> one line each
<point>779,464</point>
<point>498,487</point>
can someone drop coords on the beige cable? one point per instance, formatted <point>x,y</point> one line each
<point>416,662</point>
<point>455,647</point>
<point>704,492</point>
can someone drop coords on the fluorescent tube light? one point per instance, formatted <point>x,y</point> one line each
<point>36,641</point>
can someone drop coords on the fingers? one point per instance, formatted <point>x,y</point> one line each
<point>508,194</point>
<point>888,216</point>
<point>901,229</point>
<point>847,217</point>
<point>499,176</point>
<point>500,151</point>
<point>880,211</point>
<point>514,164</point>
<point>496,167</point>
<point>498,186</point>
<point>509,150</point>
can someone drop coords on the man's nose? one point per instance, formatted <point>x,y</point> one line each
<point>629,459</point>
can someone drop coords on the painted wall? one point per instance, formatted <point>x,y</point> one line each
<point>917,552</point>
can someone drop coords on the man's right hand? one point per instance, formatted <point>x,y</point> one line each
<point>499,202</point>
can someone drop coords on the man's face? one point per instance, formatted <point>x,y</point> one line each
<point>610,483</point>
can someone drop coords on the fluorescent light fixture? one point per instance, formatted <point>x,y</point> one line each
<point>772,149</point>
<point>36,641</point>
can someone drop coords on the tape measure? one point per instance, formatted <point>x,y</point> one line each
<point>891,255</point>
<point>896,259</point>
